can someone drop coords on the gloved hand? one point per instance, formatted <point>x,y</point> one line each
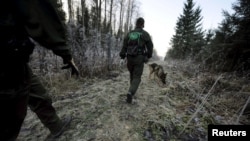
<point>74,69</point>
<point>122,55</point>
<point>122,62</point>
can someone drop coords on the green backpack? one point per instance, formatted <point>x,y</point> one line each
<point>133,43</point>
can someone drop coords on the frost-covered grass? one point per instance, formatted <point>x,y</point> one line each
<point>181,110</point>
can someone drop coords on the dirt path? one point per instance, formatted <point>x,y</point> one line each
<point>100,112</point>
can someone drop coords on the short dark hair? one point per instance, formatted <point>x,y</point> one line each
<point>139,22</point>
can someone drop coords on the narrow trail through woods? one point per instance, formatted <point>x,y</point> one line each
<point>100,112</point>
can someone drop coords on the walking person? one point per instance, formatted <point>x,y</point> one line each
<point>138,48</point>
<point>41,104</point>
<point>22,20</point>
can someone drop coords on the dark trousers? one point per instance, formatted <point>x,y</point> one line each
<point>41,104</point>
<point>135,67</point>
<point>13,113</point>
<point>13,108</point>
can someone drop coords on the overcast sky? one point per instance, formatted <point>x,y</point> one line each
<point>161,17</point>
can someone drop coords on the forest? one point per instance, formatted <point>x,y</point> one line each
<point>223,49</point>
<point>96,30</point>
<point>208,73</point>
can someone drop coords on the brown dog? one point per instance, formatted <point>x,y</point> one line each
<point>158,72</point>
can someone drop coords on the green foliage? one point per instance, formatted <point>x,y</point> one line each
<point>225,49</point>
<point>188,38</point>
<point>230,48</point>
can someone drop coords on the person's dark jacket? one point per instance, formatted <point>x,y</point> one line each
<point>145,41</point>
<point>37,19</point>
<point>21,20</point>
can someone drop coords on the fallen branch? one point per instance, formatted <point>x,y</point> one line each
<point>243,109</point>
<point>201,105</point>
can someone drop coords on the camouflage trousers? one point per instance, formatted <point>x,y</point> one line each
<point>135,67</point>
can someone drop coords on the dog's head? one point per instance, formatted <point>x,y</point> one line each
<point>153,65</point>
<point>161,74</point>
<point>163,77</point>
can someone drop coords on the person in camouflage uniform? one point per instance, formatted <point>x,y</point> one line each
<point>135,63</point>
<point>20,21</point>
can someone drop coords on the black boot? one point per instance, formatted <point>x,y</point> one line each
<point>129,97</point>
<point>55,133</point>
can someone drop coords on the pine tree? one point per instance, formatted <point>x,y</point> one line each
<point>188,38</point>
<point>241,36</point>
<point>232,39</point>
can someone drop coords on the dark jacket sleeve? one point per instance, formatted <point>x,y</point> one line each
<point>44,25</point>
<point>149,44</point>
<point>123,51</point>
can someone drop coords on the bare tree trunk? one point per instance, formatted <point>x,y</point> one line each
<point>109,35</point>
<point>114,22</point>
<point>96,12</point>
<point>70,11</point>
<point>132,10</point>
<point>110,14</point>
<point>83,13</point>
<point>128,16</point>
<point>105,13</point>
<point>99,15</point>
<point>121,15</point>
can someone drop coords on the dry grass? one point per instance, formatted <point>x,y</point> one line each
<point>181,110</point>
